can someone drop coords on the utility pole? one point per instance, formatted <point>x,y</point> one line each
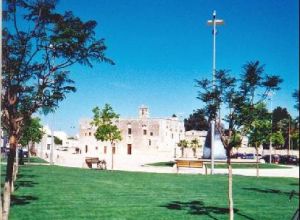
<point>214,22</point>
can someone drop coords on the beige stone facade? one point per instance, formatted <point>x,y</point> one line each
<point>141,137</point>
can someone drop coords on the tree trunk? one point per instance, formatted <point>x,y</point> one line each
<point>28,159</point>
<point>230,196</point>
<point>182,152</point>
<point>8,185</point>
<point>257,162</point>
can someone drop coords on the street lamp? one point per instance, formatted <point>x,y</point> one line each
<point>270,94</point>
<point>51,46</point>
<point>214,22</point>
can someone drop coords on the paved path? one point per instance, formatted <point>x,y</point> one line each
<point>293,171</point>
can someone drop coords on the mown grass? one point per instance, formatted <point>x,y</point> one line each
<point>224,166</point>
<point>52,192</point>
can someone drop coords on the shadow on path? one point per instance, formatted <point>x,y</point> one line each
<point>199,208</point>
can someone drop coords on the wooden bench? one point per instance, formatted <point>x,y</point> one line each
<point>189,164</point>
<point>94,162</point>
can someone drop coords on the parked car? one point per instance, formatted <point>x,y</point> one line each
<point>289,159</point>
<point>275,158</point>
<point>238,156</point>
<point>249,156</point>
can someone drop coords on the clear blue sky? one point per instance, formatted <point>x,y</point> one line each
<point>161,46</point>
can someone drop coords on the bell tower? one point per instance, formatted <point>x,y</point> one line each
<point>143,112</point>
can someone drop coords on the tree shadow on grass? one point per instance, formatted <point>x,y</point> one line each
<point>199,208</point>
<point>22,200</point>
<point>24,183</point>
<point>275,191</point>
<point>22,175</point>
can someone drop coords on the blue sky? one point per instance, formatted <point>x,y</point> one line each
<point>161,46</point>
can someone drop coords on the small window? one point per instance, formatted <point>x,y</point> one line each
<point>145,132</point>
<point>114,150</point>
<point>96,148</point>
<point>129,131</point>
<point>172,136</point>
<point>48,146</point>
<point>151,133</point>
<point>149,142</point>
<point>90,133</point>
<point>105,149</point>
<point>86,148</point>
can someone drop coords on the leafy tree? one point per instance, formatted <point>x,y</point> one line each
<point>194,145</point>
<point>259,133</point>
<point>277,139</point>
<point>239,97</point>
<point>32,133</point>
<point>106,130</point>
<point>295,140</point>
<point>34,66</point>
<point>296,95</point>
<point>57,141</point>
<point>183,144</point>
<point>196,121</point>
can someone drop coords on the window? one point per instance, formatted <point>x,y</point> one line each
<point>172,136</point>
<point>151,133</point>
<point>96,148</point>
<point>90,133</point>
<point>149,142</point>
<point>86,148</point>
<point>105,149</point>
<point>129,131</point>
<point>129,149</point>
<point>48,146</point>
<point>145,132</point>
<point>114,150</point>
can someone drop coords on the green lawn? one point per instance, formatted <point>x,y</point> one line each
<point>32,160</point>
<point>52,192</point>
<point>224,166</point>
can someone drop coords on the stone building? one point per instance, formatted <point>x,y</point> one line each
<point>143,138</point>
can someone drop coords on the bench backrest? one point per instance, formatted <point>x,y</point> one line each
<point>189,163</point>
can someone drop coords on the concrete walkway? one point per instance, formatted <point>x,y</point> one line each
<point>292,171</point>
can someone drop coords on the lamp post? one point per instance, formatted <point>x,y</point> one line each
<point>52,129</point>
<point>270,94</point>
<point>214,22</point>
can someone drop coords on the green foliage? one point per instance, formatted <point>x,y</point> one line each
<point>241,97</point>
<point>296,95</point>
<point>32,132</point>
<point>195,144</point>
<point>183,143</point>
<point>36,57</point>
<point>104,121</point>
<point>295,139</point>
<point>57,141</point>
<point>280,119</point>
<point>277,139</point>
<point>259,132</point>
<point>196,121</point>
<point>235,140</point>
